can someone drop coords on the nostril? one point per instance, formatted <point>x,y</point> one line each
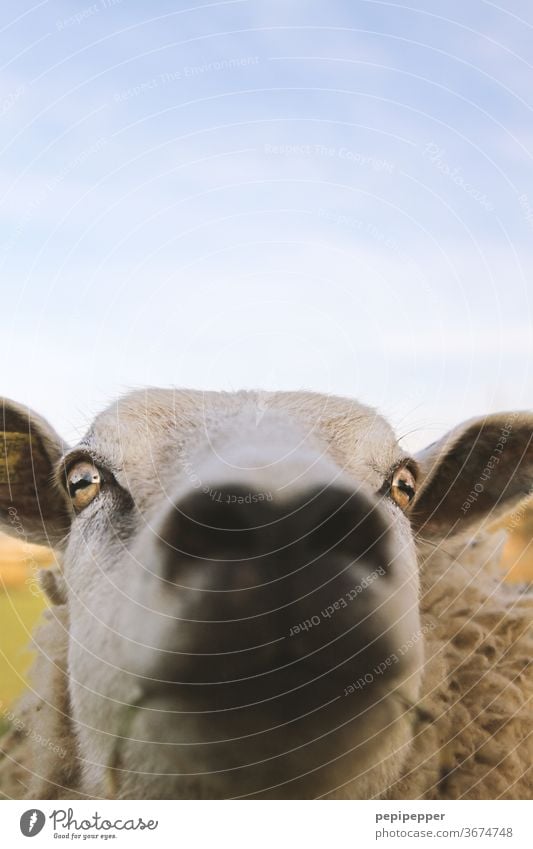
<point>222,523</point>
<point>347,522</point>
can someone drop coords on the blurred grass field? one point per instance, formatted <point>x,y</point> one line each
<point>21,605</point>
<point>19,612</point>
<point>21,602</point>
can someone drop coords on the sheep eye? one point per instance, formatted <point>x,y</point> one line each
<point>83,483</point>
<point>403,487</point>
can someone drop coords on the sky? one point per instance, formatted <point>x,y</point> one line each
<point>334,196</point>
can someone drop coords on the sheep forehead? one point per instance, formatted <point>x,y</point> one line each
<point>136,433</point>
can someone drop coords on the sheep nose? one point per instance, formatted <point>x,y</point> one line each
<point>272,592</point>
<point>232,525</point>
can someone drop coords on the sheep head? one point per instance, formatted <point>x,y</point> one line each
<point>241,573</point>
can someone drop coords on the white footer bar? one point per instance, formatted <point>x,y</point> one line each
<point>268,825</point>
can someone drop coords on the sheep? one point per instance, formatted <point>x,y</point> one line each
<point>350,595</point>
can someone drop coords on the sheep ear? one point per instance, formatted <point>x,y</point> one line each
<point>473,474</point>
<point>31,507</point>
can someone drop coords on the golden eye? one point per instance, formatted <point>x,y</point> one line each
<point>403,487</point>
<point>83,483</point>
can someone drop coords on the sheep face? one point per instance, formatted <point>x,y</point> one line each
<point>241,578</point>
<point>245,579</point>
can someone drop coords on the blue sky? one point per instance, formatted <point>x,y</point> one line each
<point>335,196</point>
